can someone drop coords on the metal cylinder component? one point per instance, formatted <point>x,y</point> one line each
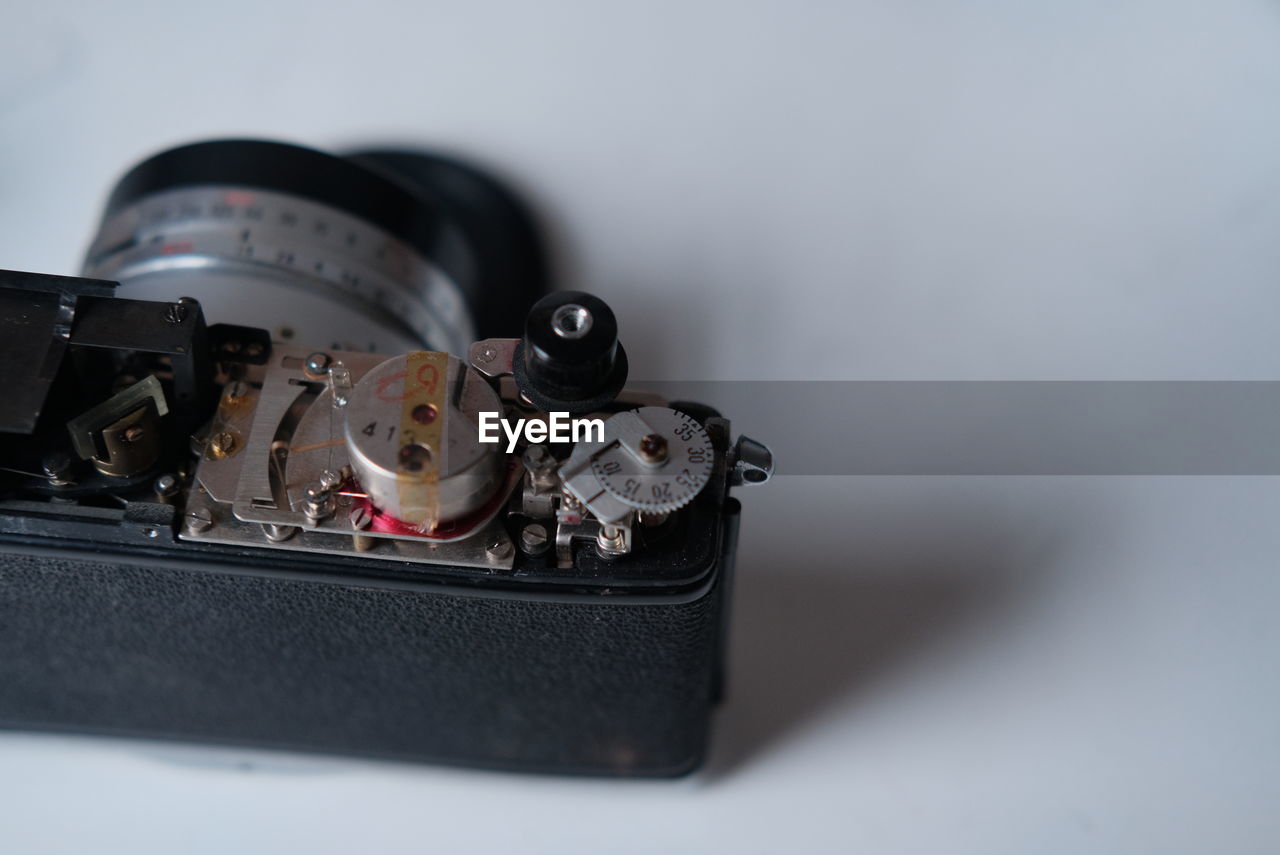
<point>317,501</point>
<point>570,358</point>
<point>541,466</point>
<point>534,540</point>
<point>412,437</point>
<point>279,533</point>
<point>166,487</point>
<point>222,444</point>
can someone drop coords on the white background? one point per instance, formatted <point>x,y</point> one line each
<point>858,190</point>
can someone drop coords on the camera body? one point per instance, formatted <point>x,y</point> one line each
<point>234,534</point>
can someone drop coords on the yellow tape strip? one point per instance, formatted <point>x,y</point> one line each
<point>426,383</point>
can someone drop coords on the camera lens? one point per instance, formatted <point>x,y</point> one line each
<point>382,251</point>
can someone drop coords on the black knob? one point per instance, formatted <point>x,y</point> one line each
<point>570,359</point>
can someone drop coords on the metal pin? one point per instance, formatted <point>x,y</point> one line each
<point>278,533</point>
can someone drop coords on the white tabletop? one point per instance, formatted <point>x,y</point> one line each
<point>868,190</point>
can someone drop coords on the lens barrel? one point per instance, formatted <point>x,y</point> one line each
<point>383,228</point>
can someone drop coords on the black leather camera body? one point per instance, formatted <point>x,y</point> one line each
<point>292,532</point>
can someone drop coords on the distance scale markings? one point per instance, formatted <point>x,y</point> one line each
<point>292,235</point>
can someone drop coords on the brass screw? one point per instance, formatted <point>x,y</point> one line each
<point>653,447</point>
<point>222,444</point>
<point>133,433</point>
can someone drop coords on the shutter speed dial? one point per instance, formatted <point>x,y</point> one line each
<point>662,469</point>
<point>653,459</point>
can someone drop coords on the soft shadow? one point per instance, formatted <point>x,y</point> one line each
<point>838,604</point>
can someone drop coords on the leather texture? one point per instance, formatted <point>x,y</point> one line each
<point>605,686</point>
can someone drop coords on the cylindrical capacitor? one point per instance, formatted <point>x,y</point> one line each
<point>411,431</point>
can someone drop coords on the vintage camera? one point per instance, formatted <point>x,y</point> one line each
<point>286,529</point>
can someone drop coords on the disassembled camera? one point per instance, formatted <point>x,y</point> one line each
<point>326,533</point>
<point>339,451</point>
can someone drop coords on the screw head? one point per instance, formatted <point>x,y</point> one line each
<point>222,444</point>
<point>414,457</point>
<point>132,433</point>
<point>317,363</point>
<point>487,354</point>
<point>316,491</point>
<point>360,518</point>
<point>425,414</point>
<point>653,447</point>
<point>198,521</point>
<point>498,548</point>
<point>166,485</point>
<point>175,313</point>
<point>317,501</point>
<point>534,538</point>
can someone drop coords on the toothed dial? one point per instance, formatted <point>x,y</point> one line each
<point>662,460</point>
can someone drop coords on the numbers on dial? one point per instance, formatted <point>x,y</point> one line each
<point>675,481</point>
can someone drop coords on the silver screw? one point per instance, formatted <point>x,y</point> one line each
<point>533,539</point>
<point>487,354</point>
<point>498,549</point>
<point>329,479</point>
<point>360,518</point>
<point>317,363</point>
<point>611,540</point>
<point>198,521</point>
<point>175,313</point>
<point>278,533</point>
<point>166,485</point>
<point>317,501</point>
